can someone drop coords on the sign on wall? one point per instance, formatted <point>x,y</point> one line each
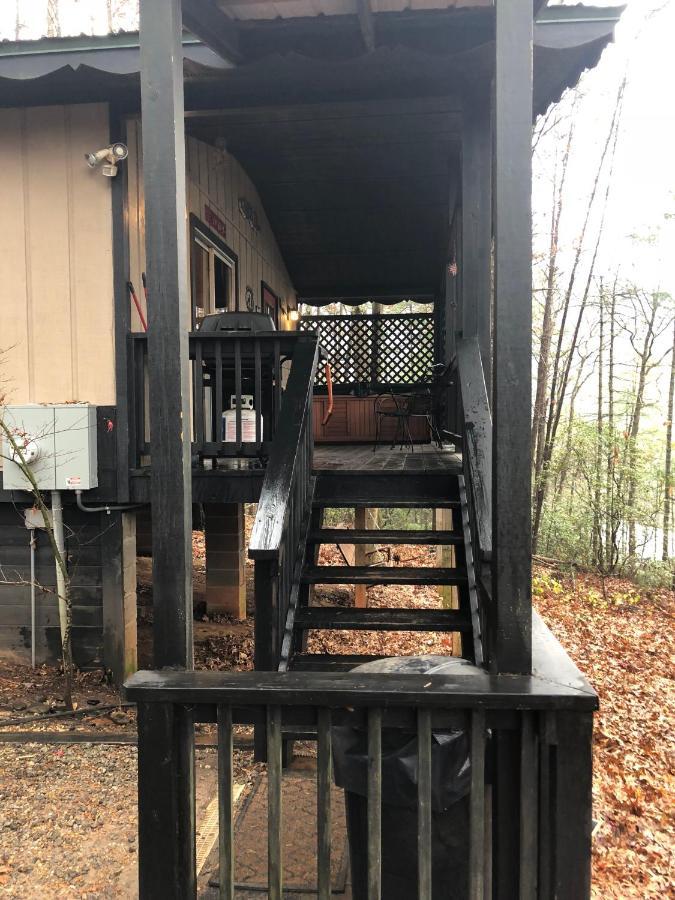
<point>214,222</point>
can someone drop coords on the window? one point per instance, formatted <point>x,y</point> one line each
<point>270,303</point>
<point>214,273</point>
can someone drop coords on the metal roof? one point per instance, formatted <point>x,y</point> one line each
<point>288,9</point>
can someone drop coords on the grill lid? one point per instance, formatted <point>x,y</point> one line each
<point>247,322</point>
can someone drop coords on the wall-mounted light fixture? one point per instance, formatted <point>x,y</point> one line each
<point>107,158</point>
<point>294,315</point>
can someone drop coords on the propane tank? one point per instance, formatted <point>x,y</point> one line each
<point>248,415</point>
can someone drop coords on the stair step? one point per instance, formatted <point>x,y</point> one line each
<point>382,575</point>
<point>387,489</point>
<point>328,662</point>
<point>378,619</point>
<point>375,536</point>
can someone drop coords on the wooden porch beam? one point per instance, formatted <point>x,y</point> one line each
<point>212,26</point>
<point>169,317</point>
<point>477,224</point>
<point>511,638</point>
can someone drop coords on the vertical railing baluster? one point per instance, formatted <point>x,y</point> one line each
<point>374,804</point>
<point>529,819</point>
<point>277,384</point>
<point>274,762</point>
<point>477,807</point>
<point>218,435</point>
<point>225,805</point>
<point>323,805</point>
<point>198,397</point>
<point>546,804</point>
<point>258,396</point>
<point>237,391</point>
<point>424,841</point>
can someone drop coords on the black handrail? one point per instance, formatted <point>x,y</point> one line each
<point>279,532</point>
<point>477,449</point>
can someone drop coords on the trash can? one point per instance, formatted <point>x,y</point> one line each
<point>451,779</point>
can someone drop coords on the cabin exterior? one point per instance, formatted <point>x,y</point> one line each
<point>361,151</point>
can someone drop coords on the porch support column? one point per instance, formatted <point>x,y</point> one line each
<point>477,223</point>
<point>166,261</point>
<point>225,543</point>
<point>511,637</point>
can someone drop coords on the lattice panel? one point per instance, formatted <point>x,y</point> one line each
<point>375,350</point>
<point>406,349</point>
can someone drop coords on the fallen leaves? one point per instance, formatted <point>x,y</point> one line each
<point>622,639</point>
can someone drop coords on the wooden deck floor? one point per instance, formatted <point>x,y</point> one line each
<point>362,458</point>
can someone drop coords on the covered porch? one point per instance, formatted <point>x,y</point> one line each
<point>392,153</point>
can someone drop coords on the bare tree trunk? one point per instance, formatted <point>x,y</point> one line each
<point>596,542</point>
<point>559,384</point>
<point>544,364</point>
<point>612,450</point>
<point>109,13</point>
<point>578,384</point>
<point>53,20</point>
<point>634,427</point>
<point>17,21</point>
<point>668,487</point>
<point>64,595</point>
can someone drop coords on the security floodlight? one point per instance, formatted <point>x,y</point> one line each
<point>107,158</point>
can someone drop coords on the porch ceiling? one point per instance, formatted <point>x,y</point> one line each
<point>357,193</point>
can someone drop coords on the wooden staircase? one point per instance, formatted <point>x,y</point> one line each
<point>376,491</point>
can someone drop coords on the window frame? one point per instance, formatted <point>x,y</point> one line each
<point>203,236</point>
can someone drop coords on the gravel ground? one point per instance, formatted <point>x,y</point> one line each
<point>67,821</point>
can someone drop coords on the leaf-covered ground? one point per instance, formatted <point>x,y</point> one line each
<point>622,638</point>
<point>56,802</point>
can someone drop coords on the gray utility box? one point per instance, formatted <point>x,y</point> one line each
<point>58,442</point>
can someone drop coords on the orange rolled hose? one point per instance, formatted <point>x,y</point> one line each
<point>329,385</point>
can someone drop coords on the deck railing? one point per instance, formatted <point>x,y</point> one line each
<point>282,520</point>
<point>476,428</point>
<point>223,369</point>
<point>527,781</point>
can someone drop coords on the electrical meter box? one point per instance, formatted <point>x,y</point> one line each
<point>58,444</point>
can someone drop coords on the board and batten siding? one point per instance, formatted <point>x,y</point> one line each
<point>217,180</point>
<point>56,270</point>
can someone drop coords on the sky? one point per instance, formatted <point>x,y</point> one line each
<point>643,184</point>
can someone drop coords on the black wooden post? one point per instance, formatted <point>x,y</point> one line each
<point>168,315</point>
<point>573,805</point>
<point>120,240</point>
<point>477,223</point>
<point>166,803</point>
<point>511,637</point>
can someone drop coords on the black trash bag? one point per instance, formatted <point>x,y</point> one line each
<point>450,787</point>
<point>450,765</point>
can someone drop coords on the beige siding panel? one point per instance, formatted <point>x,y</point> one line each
<point>49,254</point>
<point>56,308</point>
<point>14,290</point>
<point>91,268</point>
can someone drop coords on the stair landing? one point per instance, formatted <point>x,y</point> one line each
<point>362,458</point>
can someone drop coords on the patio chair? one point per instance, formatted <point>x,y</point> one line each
<point>392,406</point>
